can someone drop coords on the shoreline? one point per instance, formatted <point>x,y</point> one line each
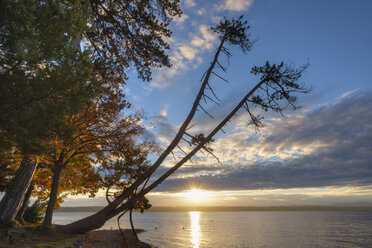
<point>107,238</point>
<point>33,236</point>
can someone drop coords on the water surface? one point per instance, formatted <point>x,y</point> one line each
<point>247,229</point>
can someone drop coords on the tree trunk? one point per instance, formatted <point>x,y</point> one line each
<point>132,225</point>
<point>22,210</point>
<point>90,223</point>
<point>52,196</point>
<point>94,221</point>
<point>14,196</point>
<point>98,219</point>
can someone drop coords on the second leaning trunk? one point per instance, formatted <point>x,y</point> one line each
<point>53,196</point>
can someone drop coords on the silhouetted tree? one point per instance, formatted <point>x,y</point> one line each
<point>275,90</point>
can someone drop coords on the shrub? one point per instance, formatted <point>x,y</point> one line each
<point>34,213</point>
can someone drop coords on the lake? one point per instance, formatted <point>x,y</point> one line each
<point>246,229</point>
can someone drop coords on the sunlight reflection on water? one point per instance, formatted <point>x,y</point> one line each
<point>195,228</point>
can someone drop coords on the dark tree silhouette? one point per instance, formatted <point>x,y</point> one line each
<point>275,90</point>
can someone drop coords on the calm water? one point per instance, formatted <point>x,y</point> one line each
<point>247,229</point>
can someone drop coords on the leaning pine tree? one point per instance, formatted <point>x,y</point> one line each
<point>275,90</point>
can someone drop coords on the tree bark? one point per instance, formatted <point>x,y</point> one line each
<point>22,210</point>
<point>15,195</point>
<point>52,196</point>
<point>132,225</point>
<point>90,223</point>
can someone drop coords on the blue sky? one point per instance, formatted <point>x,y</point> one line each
<point>321,154</point>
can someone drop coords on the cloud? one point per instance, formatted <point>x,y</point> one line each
<point>192,38</point>
<point>201,11</point>
<point>188,51</point>
<point>329,146</point>
<point>206,40</point>
<point>186,55</point>
<point>165,131</point>
<point>190,3</point>
<point>342,196</point>
<point>181,19</point>
<point>165,77</point>
<point>235,5</point>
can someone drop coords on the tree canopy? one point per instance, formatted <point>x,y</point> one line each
<point>57,57</point>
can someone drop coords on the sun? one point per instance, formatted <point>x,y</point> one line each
<point>196,195</point>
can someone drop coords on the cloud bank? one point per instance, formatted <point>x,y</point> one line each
<point>329,146</point>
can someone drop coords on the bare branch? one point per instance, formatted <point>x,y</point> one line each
<point>181,149</point>
<point>190,126</point>
<point>205,111</point>
<point>220,77</point>
<point>211,99</point>
<point>212,91</point>
<point>174,157</point>
<point>211,153</point>
<point>222,68</point>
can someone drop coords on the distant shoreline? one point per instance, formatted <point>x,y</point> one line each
<point>229,208</point>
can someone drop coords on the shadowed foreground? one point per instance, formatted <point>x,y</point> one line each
<point>37,237</point>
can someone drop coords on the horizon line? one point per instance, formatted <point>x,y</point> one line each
<point>232,208</point>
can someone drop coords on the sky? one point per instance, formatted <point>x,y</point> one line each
<point>318,155</point>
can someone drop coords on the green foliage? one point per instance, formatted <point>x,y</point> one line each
<point>43,71</point>
<point>130,34</point>
<point>34,213</point>
<point>55,55</point>
<point>234,32</point>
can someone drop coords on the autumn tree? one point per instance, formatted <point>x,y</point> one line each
<point>78,177</point>
<point>275,90</point>
<point>103,136</point>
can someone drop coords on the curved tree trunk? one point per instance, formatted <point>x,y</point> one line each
<point>115,207</point>
<point>91,222</point>
<point>15,195</point>
<point>132,225</point>
<point>22,210</point>
<point>276,81</point>
<point>98,219</point>
<point>52,196</point>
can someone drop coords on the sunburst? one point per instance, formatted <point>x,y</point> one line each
<point>196,194</point>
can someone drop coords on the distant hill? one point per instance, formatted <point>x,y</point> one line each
<point>229,208</point>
